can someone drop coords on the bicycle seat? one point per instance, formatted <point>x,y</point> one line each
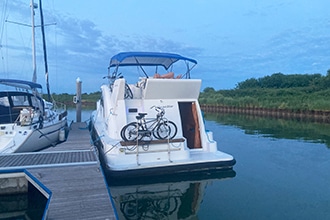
<point>141,115</point>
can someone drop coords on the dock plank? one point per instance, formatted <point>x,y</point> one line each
<point>78,192</point>
<point>72,172</point>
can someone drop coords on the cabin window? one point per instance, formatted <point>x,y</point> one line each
<point>20,100</point>
<point>4,101</point>
<point>36,102</point>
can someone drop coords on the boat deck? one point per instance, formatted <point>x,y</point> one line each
<point>72,172</point>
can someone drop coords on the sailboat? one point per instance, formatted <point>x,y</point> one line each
<point>28,122</point>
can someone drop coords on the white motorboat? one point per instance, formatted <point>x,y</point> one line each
<point>28,122</point>
<point>154,125</point>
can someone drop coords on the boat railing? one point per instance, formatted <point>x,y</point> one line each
<point>61,109</point>
<point>60,106</point>
<point>16,122</point>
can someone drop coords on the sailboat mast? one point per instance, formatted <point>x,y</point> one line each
<point>44,49</point>
<point>34,63</point>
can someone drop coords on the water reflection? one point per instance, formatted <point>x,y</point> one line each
<point>276,128</point>
<point>176,197</point>
<point>21,206</point>
<point>13,206</point>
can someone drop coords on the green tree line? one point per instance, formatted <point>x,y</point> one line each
<point>276,91</point>
<point>88,99</point>
<point>279,91</point>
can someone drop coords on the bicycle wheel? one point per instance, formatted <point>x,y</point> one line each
<point>173,129</point>
<point>130,132</point>
<point>166,130</point>
<point>162,131</point>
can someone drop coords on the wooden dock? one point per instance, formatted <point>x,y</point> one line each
<point>72,172</point>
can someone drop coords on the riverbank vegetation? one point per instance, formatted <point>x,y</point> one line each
<point>277,91</point>
<point>88,99</point>
<point>295,92</point>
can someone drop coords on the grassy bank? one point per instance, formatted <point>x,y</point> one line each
<point>278,91</point>
<point>88,100</point>
<point>289,98</point>
<point>296,93</point>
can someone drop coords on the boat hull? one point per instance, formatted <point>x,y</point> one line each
<point>43,138</point>
<point>172,169</point>
<point>191,165</point>
<point>19,139</point>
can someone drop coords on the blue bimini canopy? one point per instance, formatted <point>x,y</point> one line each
<point>20,84</point>
<point>147,59</point>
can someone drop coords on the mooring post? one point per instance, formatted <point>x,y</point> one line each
<point>78,100</point>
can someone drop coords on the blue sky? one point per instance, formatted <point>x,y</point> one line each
<point>231,40</point>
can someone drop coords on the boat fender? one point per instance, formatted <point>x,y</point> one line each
<point>61,136</point>
<point>41,122</point>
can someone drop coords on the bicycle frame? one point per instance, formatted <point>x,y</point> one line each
<point>143,122</point>
<point>159,127</point>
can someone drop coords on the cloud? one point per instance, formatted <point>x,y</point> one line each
<point>259,40</point>
<point>84,50</point>
<point>302,49</point>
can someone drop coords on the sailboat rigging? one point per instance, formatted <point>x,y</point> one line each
<point>27,121</point>
<point>34,62</point>
<point>44,49</point>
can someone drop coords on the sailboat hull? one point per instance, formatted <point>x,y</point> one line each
<point>18,139</point>
<point>43,138</point>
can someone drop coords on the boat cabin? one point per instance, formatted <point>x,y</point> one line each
<point>13,102</point>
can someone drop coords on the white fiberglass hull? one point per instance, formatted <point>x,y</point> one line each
<point>17,139</point>
<point>155,159</point>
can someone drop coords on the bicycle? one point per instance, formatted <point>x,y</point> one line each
<point>158,127</point>
<point>128,92</point>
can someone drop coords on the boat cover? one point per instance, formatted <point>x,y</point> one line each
<point>20,83</point>
<point>147,59</point>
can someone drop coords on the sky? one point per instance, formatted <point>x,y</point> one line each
<point>231,40</point>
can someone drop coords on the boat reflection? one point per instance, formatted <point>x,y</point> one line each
<point>163,197</point>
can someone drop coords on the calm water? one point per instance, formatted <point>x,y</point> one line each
<point>85,115</point>
<point>24,206</point>
<point>282,172</point>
